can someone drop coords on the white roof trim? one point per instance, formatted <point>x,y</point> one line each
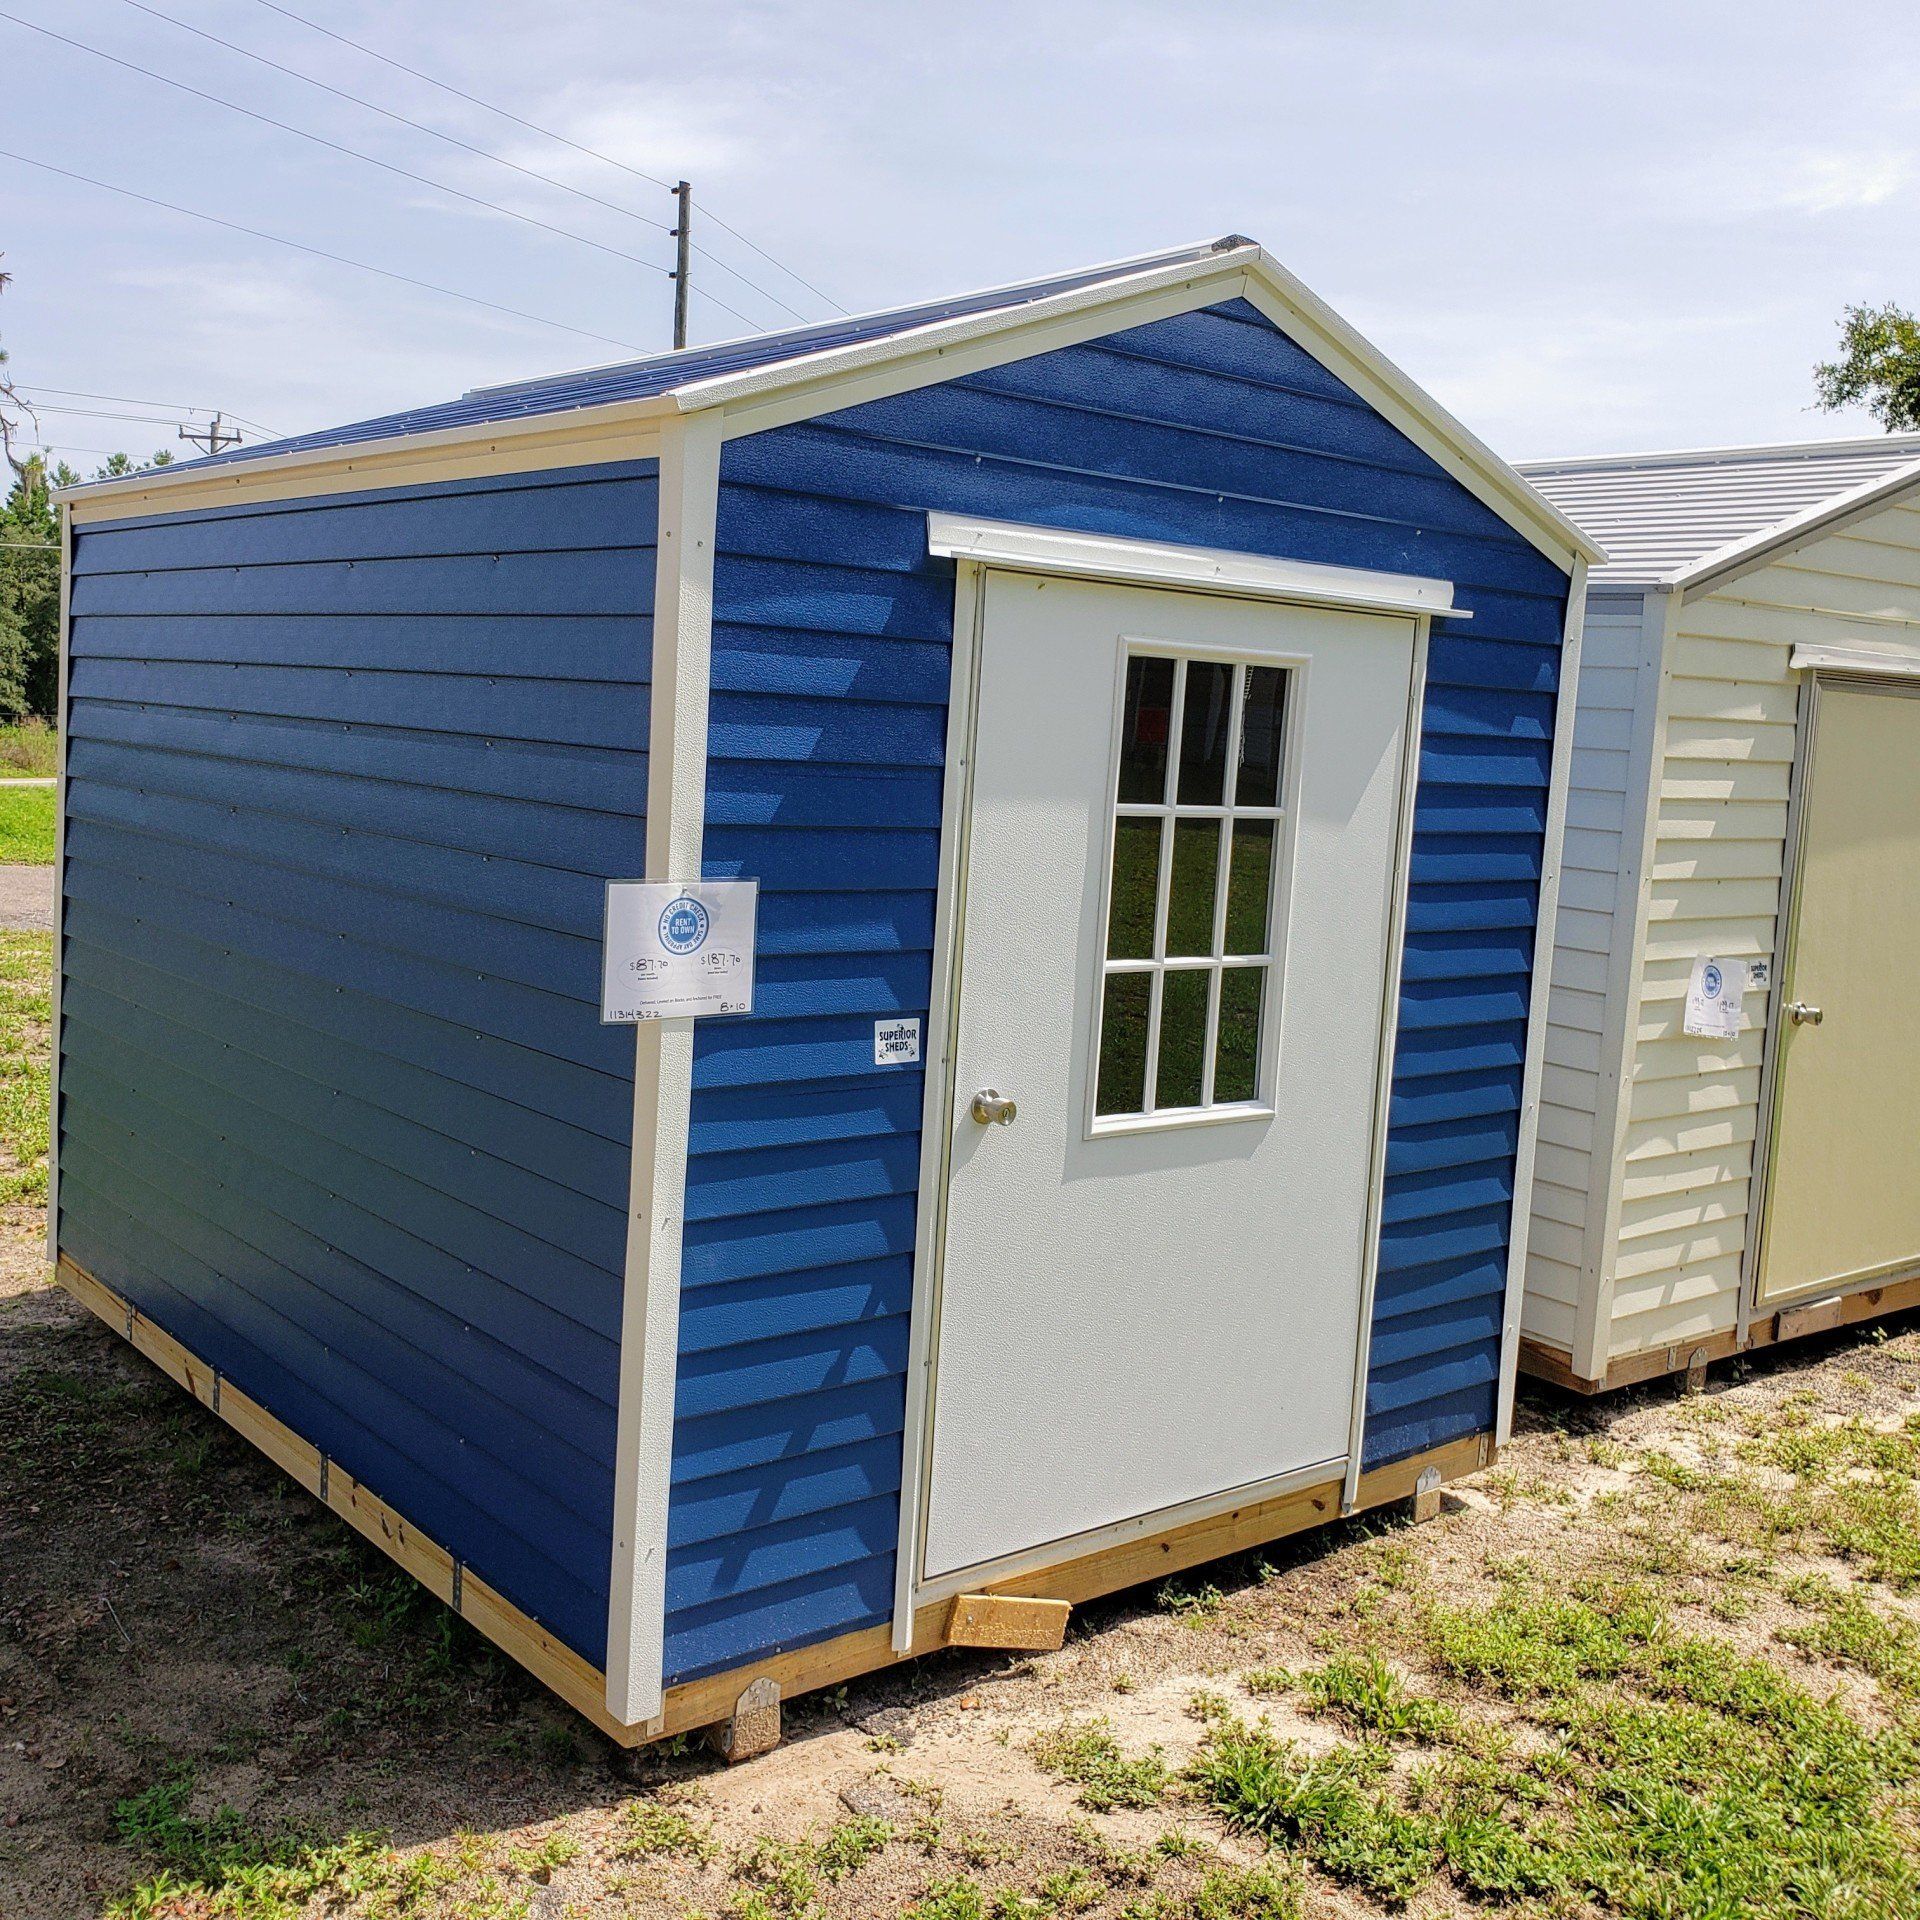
<point>1496,482</point>
<point>1901,666</point>
<point>1096,556</point>
<point>1824,516</point>
<point>860,356</point>
<point>1244,269</point>
<point>343,453</point>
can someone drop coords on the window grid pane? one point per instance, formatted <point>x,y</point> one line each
<point>1197,819</point>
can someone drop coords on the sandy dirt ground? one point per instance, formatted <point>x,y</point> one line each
<point>184,1632</point>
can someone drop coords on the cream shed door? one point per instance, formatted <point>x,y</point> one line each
<point>1843,1167</point>
<point>1181,843</point>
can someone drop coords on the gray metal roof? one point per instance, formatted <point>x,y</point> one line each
<point>665,372</point>
<point>1658,513</point>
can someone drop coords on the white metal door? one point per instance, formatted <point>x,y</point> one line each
<point>1152,1273</point>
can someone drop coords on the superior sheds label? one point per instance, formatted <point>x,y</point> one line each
<point>896,1043</point>
<point>677,949</point>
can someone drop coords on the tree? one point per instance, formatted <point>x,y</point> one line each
<point>1878,368</point>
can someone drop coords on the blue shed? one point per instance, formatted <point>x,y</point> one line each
<point>1140,708</point>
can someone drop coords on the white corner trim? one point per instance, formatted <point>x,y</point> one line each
<point>1545,928</point>
<point>1094,556</point>
<point>61,637</point>
<point>662,1079</point>
<point>1901,666</point>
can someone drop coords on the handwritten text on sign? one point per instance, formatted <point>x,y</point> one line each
<point>676,949</point>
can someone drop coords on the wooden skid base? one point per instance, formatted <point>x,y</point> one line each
<point>757,1688</point>
<point>1692,1356</point>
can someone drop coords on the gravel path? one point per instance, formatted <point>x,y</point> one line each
<point>26,899</point>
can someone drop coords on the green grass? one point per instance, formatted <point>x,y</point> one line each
<point>26,1008</point>
<point>217,1864</point>
<point>1086,1753</point>
<point>30,751</point>
<point>1664,1777</point>
<point>26,825</point>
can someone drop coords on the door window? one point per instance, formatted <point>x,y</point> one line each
<point>1197,835</point>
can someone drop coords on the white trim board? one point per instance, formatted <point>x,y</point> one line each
<point>1154,563</point>
<point>1862,660</point>
<point>662,1082</point>
<point>61,637</point>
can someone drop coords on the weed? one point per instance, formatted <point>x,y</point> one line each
<point>1191,1606</point>
<point>219,1864</point>
<point>1659,1465</point>
<point>1265,1680</point>
<point>789,1872</point>
<point>1086,1753</point>
<point>556,1850</point>
<point>955,1899</point>
<point>1367,1694</point>
<point>1246,1893</point>
<point>1071,1890</point>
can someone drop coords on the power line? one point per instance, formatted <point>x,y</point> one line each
<point>100,413</point>
<point>354,153</point>
<point>178,406</point>
<point>320,253</point>
<point>546,133</point>
<point>452,140</point>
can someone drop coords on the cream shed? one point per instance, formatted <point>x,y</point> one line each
<point>1743,854</point>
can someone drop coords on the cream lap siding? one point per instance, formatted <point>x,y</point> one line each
<point>1719,853</point>
<point>1598,818</point>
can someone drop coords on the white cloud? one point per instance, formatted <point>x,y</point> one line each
<point>1750,181</point>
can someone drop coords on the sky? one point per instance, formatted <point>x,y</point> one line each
<point>1583,229</point>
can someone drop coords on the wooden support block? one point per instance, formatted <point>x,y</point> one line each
<point>753,1728</point>
<point>1817,1316</point>
<point>1426,1495</point>
<point>1007,1620</point>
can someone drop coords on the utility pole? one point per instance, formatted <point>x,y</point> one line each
<point>683,260</point>
<point>213,438</point>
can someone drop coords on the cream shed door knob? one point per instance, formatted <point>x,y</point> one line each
<point>1802,1015</point>
<point>992,1109</point>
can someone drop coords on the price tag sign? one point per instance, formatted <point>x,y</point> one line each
<point>1715,992</point>
<point>676,949</point>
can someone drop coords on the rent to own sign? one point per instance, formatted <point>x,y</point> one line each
<point>677,948</point>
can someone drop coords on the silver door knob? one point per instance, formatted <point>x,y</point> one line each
<point>1803,1015</point>
<point>992,1109</point>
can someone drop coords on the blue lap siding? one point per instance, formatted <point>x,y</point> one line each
<point>832,640</point>
<point>346,777</point>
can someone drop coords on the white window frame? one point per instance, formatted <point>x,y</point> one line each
<point>1285,816</point>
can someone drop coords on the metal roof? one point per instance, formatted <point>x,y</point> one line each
<point>663,373</point>
<point>1658,513</point>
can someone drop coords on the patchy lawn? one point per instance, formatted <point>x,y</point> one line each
<point>1663,1662</point>
<point>26,825</point>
